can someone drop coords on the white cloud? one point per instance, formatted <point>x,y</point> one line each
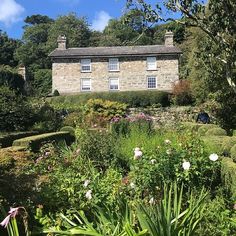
<point>10,11</point>
<point>100,21</point>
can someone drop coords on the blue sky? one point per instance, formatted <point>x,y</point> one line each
<point>98,12</point>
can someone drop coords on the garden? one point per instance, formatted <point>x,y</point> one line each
<point>99,168</point>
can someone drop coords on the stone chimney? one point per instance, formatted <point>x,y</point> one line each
<point>61,42</point>
<point>169,39</point>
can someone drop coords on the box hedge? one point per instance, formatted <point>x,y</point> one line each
<point>228,144</point>
<point>216,131</point>
<point>193,126</point>
<point>34,142</point>
<point>233,153</point>
<point>228,175</point>
<point>205,127</point>
<point>7,139</point>
<point>132,98</point>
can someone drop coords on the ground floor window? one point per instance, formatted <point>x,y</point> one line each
<point>113,83</point>
<point>151,82</point>
<point>85,84</point>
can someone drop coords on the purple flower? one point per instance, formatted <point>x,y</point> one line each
<point>11,214</point>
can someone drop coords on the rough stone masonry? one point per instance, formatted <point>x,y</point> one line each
<point>133,70</point>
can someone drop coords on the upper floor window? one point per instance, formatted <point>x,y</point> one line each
<point>151,63</point>
<point>113,64</point>
<point>151,82</point>
<point>85,84</point>
<point>85,65</point>
<point>114,84</point>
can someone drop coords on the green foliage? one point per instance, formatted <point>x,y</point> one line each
<point>56,93</point>
<point>233,153</point>
<point>72,119</point>
<point>70,129</point>
<point>132,98</point>
<point>99,112</point>
<point>214,144</point>
<point>9,77</point>
<point>193,126</point>
<point>34,142</point>
<point>42,82</point>
<point>216,131</point>
<point>228,144</point>
<point>7,139</point>
<point>6,162</point>
<point>16,112</point>
<point>7,50</point>
<point>203,129</point>
<point>47,118</point>
<point>228,175</point>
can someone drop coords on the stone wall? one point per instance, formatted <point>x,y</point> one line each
<point>67,75</point>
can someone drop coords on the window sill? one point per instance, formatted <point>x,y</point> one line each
<point>86,71</point>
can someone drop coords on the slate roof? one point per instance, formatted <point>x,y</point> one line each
<point>119,51</point>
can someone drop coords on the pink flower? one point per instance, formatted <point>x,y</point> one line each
<point>11,214</point>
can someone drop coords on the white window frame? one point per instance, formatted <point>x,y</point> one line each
<point>113,64</point>
<point>151,63</point>
<point>82,87</point>
<point>86,63</point>
<point>118,84</point>
<point>149,83</point>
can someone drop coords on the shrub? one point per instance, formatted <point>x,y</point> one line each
<point>72,119</point>
<point>6,162</point>
<point>182,93</point>
<point>34,142</point>
<point>214,143</point>
<point>228,144</point>
<point>204,128</point>
<point>233,153</point>
<point>228,175</point>
<point>56,93</point>
<point>216,132</point>
<point>6,140</point>
<point>70,129</point>
<point>16,113</point>
<point>132,98</point>
<point>47,118</point>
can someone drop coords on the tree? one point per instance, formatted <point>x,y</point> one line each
<point>7,49</point>
<point>216,19</point>
<point>75,28</point>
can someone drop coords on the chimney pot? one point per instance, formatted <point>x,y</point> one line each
<point>61,42</point>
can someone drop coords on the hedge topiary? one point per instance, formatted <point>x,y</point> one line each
<point>216,132</point>
<point>35,142</point>
<point>70,129</point>
<point>204,128</point>
<point>214,143</point>
<point>228,144</point>
<point>233,153</point>
<point>228,175</point>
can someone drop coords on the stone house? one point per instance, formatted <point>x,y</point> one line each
<point>122,68</point>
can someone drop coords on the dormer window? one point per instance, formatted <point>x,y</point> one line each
<point>151,63</point>
<point>113,64</point>
<point>85,65</point>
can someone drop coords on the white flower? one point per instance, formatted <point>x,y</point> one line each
<point>168,151</point>
<point>137,153</point>
<point>132,185</point>
<point>167,141</point>
<point>213,157</point>
<point>153,161</point>
<point>88,194</point>
<point>151,201</point>
<point>86,183</point>
<point>186,165</point>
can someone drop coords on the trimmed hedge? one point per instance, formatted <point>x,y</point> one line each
<point>216,131</point>
<point>34,142</point>
<point>228,175</point>
<point>69,129</point>
<point>228,144</point>
<point>205,127</point>
<point>7,139</point>
<point>193,126</point>
<point>233,153</point>
<point>214,143</point>
<point>132,98</point>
